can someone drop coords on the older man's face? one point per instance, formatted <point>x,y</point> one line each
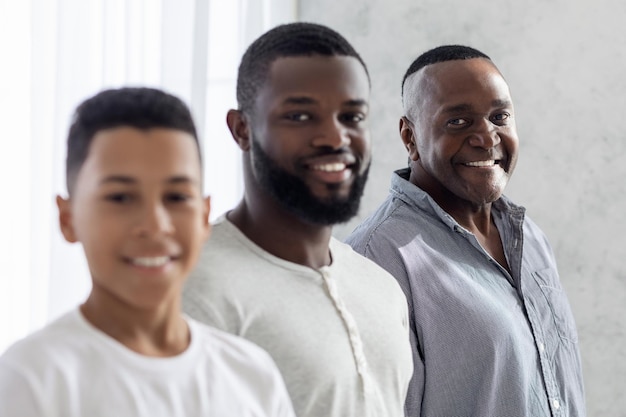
<point>463,127</point>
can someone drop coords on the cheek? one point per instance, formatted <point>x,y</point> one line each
<point>283,149</point>
<point>428,152</point>
<point>192,243</point>
<point>190,226</point>
<point>274,139</point>
<point>361,145</point>
<point>366,145</point>
<point>513,144</point>
<point>95,227</point>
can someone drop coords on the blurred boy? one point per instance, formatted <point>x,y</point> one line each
<point>135,203</point>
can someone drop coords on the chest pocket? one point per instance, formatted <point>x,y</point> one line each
<point>556,299</point>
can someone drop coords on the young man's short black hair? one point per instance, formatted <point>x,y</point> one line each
<point>292,39</point>
<point>139,107</point>
<point>442,54</point>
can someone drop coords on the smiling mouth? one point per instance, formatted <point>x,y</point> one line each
<point>489,163</point>
<point>332,172</point>
<point>150,262</point>
<point>330,167</point>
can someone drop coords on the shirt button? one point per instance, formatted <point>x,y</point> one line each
<point>541,348</point>
<point>556,404</point>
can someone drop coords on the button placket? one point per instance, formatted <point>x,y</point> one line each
<point>353,333</point>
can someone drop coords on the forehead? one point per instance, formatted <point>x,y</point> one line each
<point>342,78</point>
<point>151,154</point>
<point>468,82</point>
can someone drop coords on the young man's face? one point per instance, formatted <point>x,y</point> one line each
<point>137,209</point>
<point>464,128</point>
<point>310,137</point>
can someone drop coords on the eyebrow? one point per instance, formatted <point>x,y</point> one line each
<point>357,103</point>
<point>299,100</point>
<point>308,100</point>
<point>498,103</point>
<point>123,179</point>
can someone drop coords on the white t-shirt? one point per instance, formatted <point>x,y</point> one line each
<point>71,369</point>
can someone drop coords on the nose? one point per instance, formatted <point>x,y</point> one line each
<point>484,135</point>
<point>332,134</point>
<point>154,220</point>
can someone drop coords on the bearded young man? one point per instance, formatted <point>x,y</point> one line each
<point>334,322</point>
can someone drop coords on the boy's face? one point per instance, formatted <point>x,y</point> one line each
<point>137,208</point>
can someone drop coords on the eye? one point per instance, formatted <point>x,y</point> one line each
<point>177,197</point>
<point>119,198</point>
<point>352,118</point>
<point>459,122</point>
<point>500,118</point>
<point>298,117</point>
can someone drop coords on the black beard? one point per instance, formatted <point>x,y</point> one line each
<point>294,195</point>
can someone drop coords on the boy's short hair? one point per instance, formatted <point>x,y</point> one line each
<point>288,40</point>
<point>139,107</point>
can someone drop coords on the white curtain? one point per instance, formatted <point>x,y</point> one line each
<point>56,53</point>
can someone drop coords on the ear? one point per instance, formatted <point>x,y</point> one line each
<point>206,225</point>
<point>66,219</point>
<point>239,128</point>
<point>408,138</point>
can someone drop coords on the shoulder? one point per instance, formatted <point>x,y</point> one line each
<point>535,241</point>
<point>223,238</point>
<point>382,235</point>
<point>245,374</point>
<point>405,208</point>
<point>387,223</point>
<point>348,262</point>
<point>538,253</point>
<point>233,352</point>
<point>215,269</point>
<point>55,338</point>
<point>533,231</point>
<point>224,342</point>
<point>58,348</point>
<point>227,249</point>
<point>346,257</point>
<point>222,277</point>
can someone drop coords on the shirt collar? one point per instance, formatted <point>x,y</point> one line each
<point>412,195</point>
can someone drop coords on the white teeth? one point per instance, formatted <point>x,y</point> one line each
<point>489,163</point>
<point>338,166</point>
<point>151,262</point>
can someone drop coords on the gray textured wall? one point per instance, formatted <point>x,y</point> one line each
<point>565,62</point>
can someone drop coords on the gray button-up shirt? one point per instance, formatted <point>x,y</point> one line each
<point>486,343</point>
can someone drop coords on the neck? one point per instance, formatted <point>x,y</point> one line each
<point>159,331</point>
<point>481,224</point>
<point>477,220</point>
<point>284,235</point>
<point>475,217</point>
